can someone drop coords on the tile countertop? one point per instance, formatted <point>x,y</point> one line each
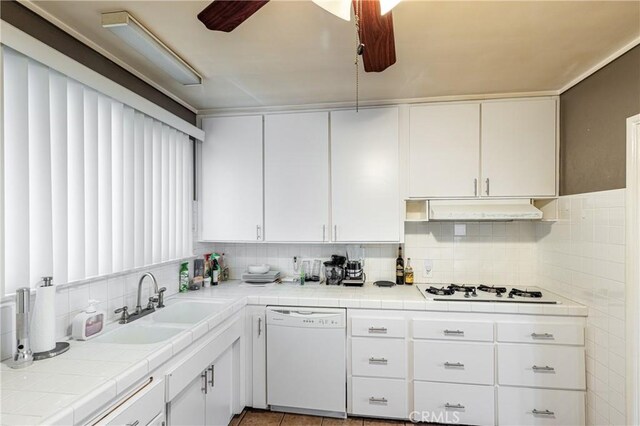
<point>70,387</point>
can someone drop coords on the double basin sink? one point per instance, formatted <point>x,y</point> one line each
<point>164,323</point>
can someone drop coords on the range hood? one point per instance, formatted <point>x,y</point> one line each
<point>473,210</point>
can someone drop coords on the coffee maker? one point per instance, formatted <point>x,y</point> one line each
<point>354,269</point>
<point>334,271</point>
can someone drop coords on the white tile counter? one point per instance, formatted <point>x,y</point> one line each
<point>68,388</point>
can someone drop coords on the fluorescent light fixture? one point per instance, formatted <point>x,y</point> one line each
<point>144,42</point>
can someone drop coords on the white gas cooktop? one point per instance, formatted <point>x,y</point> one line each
<point>485,293</point>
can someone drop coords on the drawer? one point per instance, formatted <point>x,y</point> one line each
<point>561,334</point>
<point>378,327</point>
<point>453,362</point>
<point>453,330</point>
<point>378,357</point>
<point>525,407</point>
<point>545,366</point>
<point>451,403</point>
<point>141,408</point>
<point>379,397</point>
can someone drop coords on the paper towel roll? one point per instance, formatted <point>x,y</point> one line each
<point>43,321</point>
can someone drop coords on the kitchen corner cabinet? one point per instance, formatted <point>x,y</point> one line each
<point>296,161</point>
<point>207,399</point>
<point>503,148</point>
<point>364,175</point>
<point>231,194</point>
<point>519,148</point>
<point>444,152</point>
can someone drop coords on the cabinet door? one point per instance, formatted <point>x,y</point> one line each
<point>188,407</point>
<point>444,150</point>
<point>259,363</point>
<point>231,184</point>
<point>364,175</point>
<point>519,148</point>
<point>157,420</point>
<point>219,396</point>
<point>297,177</point>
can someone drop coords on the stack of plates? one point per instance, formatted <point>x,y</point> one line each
<point>267,277</point>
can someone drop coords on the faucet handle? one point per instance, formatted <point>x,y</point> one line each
<point>161,291</point>
<point>152,300</point>
<point>125,314</point>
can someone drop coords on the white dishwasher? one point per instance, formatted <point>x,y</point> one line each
<point>306,360</point>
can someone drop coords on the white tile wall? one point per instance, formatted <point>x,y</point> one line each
<point>583,258</point>
<point>113,292</point>
<point>498,253</point>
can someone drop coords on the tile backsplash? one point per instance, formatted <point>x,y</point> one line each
<point>112,292</point>
<point>582,257</point>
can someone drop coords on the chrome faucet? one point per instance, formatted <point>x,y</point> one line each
<point>159,292</point>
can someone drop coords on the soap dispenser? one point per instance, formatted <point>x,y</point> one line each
<point>88,323</point>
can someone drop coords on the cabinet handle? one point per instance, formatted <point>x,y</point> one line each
<point>381,330</point>
<point>487,181</point>
<point>324,232</point>
<point>258,233</point>
<point>453,332</point>
<point>212,382</point>
<point>133,423</point>
<point>204,386</point>
<point>374,400</point>
<point>541,336</point>
<point>475,187</point>
<point>454,364</point>
<point>335,232</point>
<point>542,412</point>
<point>545,368</point>
<point>373,360</point>
<point>453,406</point>
<point>259,326</point>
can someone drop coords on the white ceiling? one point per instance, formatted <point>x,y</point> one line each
<point>294,53</point>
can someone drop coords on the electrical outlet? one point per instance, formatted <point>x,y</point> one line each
<point>428,268</point>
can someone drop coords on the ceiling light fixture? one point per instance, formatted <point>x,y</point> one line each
<point>146,43</point>
<point>342,8</point>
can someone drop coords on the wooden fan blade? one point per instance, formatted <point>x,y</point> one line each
<point>226,15</point>
<point>376,32</point>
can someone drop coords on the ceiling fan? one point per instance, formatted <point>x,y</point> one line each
<point>374,24</point>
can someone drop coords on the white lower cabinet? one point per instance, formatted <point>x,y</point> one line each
<point>207,400</point>
<point>379,397</point>
<point>378,357</point>
<point>545,366</point>
<point>453,362</point>
<point>524,407</point>
<point>453,403</point>
<point>142,408</point>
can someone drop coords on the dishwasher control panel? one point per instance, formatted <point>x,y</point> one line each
<point>306,317</point>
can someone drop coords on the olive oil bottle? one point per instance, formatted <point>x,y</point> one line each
<point>408,273</point>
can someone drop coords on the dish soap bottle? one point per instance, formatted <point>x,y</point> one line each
<point>408,273</point>
<point>88,323</point>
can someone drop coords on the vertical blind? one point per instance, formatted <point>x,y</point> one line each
<point>91,186</point>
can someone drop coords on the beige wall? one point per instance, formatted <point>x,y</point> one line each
<point>593,117</point>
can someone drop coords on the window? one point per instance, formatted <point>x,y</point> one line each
<point>91,186</point>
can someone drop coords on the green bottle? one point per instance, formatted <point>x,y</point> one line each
<point>184,277</point>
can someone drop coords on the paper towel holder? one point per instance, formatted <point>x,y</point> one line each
<point>61,347</point>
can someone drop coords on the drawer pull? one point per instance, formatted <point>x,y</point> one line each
<point>381,330</point>
<point>543,412</point>
<point>453,333</point>
<point>373,360</point>
<point>133,423</point>
<point>454,364</point>
<point>541,336</point>
<point>453,406</point>
<point>545,368</point>
<point>374,400</point>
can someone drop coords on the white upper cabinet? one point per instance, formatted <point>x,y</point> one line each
<point>444,151</point>
<point>519,148</point>
<point>364,175</point>
<point>231,184</point>
<point>297,177</point>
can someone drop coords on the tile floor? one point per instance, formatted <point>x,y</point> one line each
<point>251,417</point>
